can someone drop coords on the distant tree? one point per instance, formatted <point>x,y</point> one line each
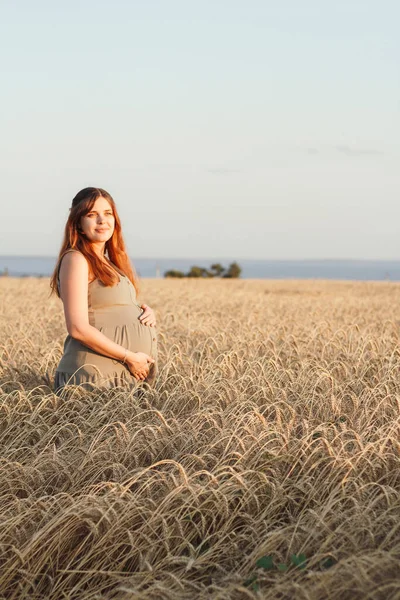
<point>233,271</point>
<point>174,273</point>
<point>216,270</point>
<point>198,272</point>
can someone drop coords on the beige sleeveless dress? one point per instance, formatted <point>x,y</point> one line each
<point>114,311</point>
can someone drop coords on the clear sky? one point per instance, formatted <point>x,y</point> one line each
<point>230,128</point>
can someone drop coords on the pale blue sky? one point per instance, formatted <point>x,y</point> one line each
<point>246,129</point>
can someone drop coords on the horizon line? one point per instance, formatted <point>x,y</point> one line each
<point>225,258</point>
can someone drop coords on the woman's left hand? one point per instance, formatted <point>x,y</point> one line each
<point>147,317</point>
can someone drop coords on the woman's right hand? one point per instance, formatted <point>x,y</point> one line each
<point>139,364</point>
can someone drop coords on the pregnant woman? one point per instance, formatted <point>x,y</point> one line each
<point>111,338</point>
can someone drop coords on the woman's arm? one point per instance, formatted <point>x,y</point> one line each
<point>74,275</point>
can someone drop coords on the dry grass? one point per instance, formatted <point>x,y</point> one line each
<point>273,430</point>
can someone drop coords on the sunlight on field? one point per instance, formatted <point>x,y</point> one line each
<point>272,438</point>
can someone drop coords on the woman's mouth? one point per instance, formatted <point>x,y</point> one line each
<point>101,230</point>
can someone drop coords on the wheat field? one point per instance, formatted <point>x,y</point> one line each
<point>264,464</point>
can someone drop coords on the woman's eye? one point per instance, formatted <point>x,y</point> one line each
<point>110,214</point>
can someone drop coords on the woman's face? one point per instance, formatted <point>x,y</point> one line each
<point>98,224</point>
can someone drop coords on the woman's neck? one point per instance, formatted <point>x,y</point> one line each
<point>99,249</point>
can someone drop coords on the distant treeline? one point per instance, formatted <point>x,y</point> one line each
<point>216,270</point>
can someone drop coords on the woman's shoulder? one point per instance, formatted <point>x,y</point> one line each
<point>75,263</point>
<point>73,259</point>
<point>69,261</point>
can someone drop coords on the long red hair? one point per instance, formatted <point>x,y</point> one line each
<point>115,246</point>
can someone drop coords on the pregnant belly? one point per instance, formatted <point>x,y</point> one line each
<point>125,329</point>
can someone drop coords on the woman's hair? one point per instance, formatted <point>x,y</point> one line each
<point>82,204</point>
